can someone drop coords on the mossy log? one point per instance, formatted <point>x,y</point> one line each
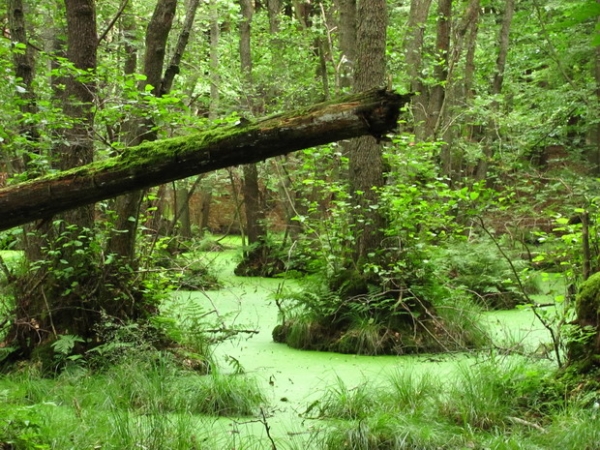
<point>370,113</point>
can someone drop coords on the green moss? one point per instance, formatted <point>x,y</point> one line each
<point>588,301</point>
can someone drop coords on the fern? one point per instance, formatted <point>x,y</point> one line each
<point>65,343</point>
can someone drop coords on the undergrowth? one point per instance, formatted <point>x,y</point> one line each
<point>500,403</point>
<point>146,401</point>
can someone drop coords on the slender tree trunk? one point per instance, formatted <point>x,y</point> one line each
<point>366,163</point>
<point>182,202</point>
<point>274,9</point>
<point>256,231</point>
<point>440,70</point>
<point>127,207</point>
<point>347,39</point>
<point>24,65</point>
<point>78,147</point>
<point>184,37</point>
<point>206,192</point>
<point>596,133</point>
<point>215,78</point>
<point>122,241</point>
<point>472,31</point>
<point>455,97</point>
<point>419,10</point>
<point>488,150</point>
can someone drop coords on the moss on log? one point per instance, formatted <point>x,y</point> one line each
<point>373,113</point>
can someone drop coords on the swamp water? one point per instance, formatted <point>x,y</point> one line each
<point>294,379</point>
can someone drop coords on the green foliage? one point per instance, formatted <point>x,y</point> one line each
<point>496,402</point>
<point>21,428</point>
<point>480,269</point>
<point>146,400</point>
<point>342,402</point>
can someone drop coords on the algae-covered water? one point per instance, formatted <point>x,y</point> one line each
<point>295,379</point>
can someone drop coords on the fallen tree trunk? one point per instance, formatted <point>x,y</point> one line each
<point>374,112</point>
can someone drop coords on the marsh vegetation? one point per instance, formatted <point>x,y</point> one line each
<point>233,387</point>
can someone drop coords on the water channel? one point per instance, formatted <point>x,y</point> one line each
<point>294,379</point>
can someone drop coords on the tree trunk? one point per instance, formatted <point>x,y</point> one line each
<point>455,98</point>
<point>596,131</point>
<point>206,192</point>
<point>182,41</point>
<point>419,10</point>
<point>347,39</point>
<point>373,113</point>
<point>215,78</point>
<point>274,9</point>
<point>366,163</point>
<point>440,70</point>
<point>488,149</point>
<point>24,69</point>
<point>254,261</point>
<point>77,148</point>
<point>52,299</point>
<point>24,65</point>
<point>182,202</point>
<point>127,207</point>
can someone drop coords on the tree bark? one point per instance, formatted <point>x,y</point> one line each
<point>488,149</point>
<point>156,42</point>
<point>457,95</point>
<point>419,10</point>
<point>255,255</point>
<point>373,113</point>
<point>596,131</point>
<point>70,260</point>
<point>182,41</point>
<point>347,40</point>
<point>78,147</point>
<point>122,239</point>
<point>24,67</point>
<point>274,9</point>
<point>366,162</point>
<point>440,70</point>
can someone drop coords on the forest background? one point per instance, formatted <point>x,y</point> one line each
<point>487,189</point>
<point>501,138</point>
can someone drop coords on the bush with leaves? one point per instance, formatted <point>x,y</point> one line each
<point>480,269</point>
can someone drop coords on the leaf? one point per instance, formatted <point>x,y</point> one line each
<point>65,343</point>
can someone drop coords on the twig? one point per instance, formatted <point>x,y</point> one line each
<point>230,331</point>
<point>6,270</point>
<point>267,428</point>
<point>113,21</point>
<point>526,423</point>
<point>49,312</point>
<point>262,420</point>
<point>555,339</point>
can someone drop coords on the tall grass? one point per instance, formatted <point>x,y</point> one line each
<point>145,402</point>
<point>499,403</point>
